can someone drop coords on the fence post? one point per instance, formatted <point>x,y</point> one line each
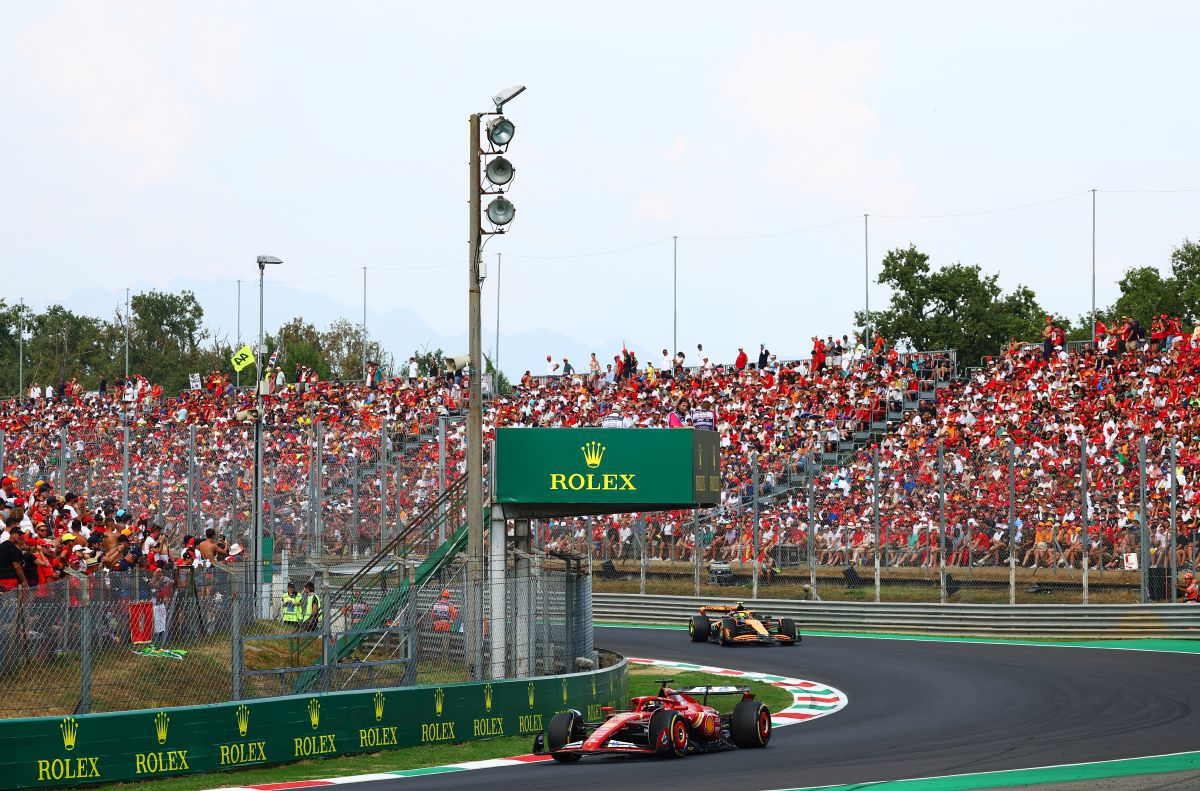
<point>384,454</point>
<point>698,552</point>
<point>941,464</point>
<point>85,650</point>
<point>1144,529</point>
<point>328,658</point>
<point>319,514</point>
<point>2,446</point>
<point>1174,490</point>
<point>191,487</point>
<point>62,460</point>
<point>125,463</point>
<point>1012,518</point>
<point>442,476</point>
<point>641,536</point>
<point>235,639</point>
<point>756,528</point>
<point>355,515</point>
<point>875,516</point>
<point>812,530</point>
<point>1085,539</point>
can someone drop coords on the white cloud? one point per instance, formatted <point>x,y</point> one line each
<point>132,79</point>
<point>805,100</point>
<point>676,152</point>
<point>657,205</point>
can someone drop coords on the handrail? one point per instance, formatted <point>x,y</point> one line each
<point>432,513</point>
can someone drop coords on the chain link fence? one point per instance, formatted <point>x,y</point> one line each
<point>905,518</point>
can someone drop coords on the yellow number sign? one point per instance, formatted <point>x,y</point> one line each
<point>242,358</point>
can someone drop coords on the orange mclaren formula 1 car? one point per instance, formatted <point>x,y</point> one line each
<point>733,624</point>
<point>671,724</point>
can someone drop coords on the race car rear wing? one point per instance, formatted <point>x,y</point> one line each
<point>710,690</point>
<point>704,692</point>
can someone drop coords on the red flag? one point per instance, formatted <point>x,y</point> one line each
<point>141,622</point>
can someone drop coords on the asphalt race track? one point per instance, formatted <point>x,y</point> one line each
<point>916,709</point>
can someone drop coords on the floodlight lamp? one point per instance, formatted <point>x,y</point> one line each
<point>499,171</point>
<point>501,211</point>
<point>269,259</point>
<point>500,131</point>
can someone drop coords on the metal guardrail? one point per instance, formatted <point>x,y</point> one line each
<point>1062,621</point>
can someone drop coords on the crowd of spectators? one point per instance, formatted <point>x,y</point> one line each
<point>191,455</point>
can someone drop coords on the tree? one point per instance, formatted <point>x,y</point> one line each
<point>342,345</point>
<point>955,307</point>
<point>299,343</point>
<point>1145,293</point>
<point>165,335</point>
<point>430,363</point>
<point>1185,271</point>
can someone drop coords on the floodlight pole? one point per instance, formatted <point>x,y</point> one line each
<point>475,515</point>
<point>867,282</point>
<point>260,562</point>
<point>1093,266</point>
<point>21,351</point>
<point>364,328</point>
<point>238,374</point>
<point>496,362</point>
<point>674,296</point>
<point>126,334</point>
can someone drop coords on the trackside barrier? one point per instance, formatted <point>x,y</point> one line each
<point>1060,621</point>
<point>47,752</point>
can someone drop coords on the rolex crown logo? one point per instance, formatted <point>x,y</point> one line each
<point>314,712</point>
<point>487,697</point>
<point>593,452</point>
<point>439,698</point>
<point>243,719</point>
<point>69,729</point>
<point>379,706</point>
<point>161,721</point>
<point>531,688</point>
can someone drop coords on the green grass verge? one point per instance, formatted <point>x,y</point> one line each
<point>641,682</point>
<point>366,763</point>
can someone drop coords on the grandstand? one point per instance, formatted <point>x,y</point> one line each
<point>346,464</point>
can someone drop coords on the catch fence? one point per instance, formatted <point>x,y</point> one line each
<point>994,523</point>
<point>120,641</point>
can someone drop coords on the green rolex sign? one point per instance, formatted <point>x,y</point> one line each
<point>568,471</point>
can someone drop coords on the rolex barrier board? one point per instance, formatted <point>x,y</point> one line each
<point>51,752</point>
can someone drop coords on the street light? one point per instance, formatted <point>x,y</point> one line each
<point>259,562</point>
<point>500,213</point>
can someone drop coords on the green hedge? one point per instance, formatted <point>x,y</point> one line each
<point>135,745</point>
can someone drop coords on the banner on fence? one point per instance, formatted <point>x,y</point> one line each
<point>56,751</point>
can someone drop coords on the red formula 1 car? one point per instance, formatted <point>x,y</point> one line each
<point>670,724</point>
<point>727,624</point>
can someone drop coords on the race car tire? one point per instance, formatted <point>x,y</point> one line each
<point>699,628</point>
<point>750,724</point>
<point>668,734</point>
<point>787,628</point>
<point>728,630</point>
<point>561,731</point>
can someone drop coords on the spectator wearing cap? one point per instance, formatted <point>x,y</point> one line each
<point>739,364</point>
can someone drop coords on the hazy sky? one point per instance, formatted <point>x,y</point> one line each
<point>166,144</point>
